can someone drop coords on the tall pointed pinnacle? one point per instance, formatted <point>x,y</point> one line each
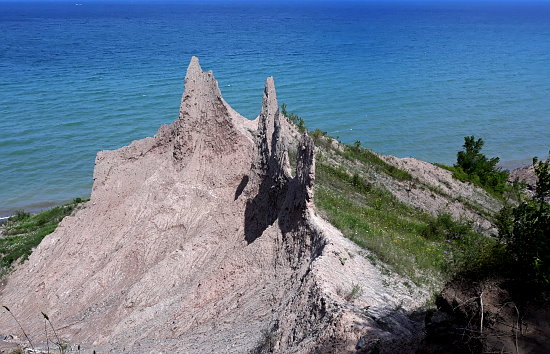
<point>268,114</point>
<point>271,128</point>
<point>201,90</point>
<point>204,123</point>
<point>194,67</point>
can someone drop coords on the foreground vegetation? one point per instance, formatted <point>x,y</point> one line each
<point>23,232</point>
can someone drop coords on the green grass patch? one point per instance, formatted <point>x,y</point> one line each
<point>466,250</point>
<point>23,232</point>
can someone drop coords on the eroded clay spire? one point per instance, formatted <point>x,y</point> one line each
<point>305,169</point>
<point>194,67</point>
<point>266,124</point>
<point>204,123</point>
<point>202,95</point>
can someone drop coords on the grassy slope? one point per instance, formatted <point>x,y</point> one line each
<point>23,232</point>
<point>422,247</point>
<point>374,219</point>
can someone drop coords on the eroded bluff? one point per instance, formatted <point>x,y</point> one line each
<point>200,240</point>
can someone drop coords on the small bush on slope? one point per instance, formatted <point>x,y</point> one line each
<point>474,167</point>
<point>294,118</point>
<point>356,152</point>
<point>467,251</point>
<point>526,231</point>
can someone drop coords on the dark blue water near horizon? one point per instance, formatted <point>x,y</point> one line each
<point>407,79</point>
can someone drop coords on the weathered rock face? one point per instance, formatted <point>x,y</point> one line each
<point>200,240</point>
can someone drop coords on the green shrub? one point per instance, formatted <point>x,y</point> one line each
<point>444,228</point>
<point>473,166</point>
<point>466,250</point>
<point>360,183</point>
<point>317,135</point>
<point>19,215</point>
<point>321,139</point>
<point>526,231</point>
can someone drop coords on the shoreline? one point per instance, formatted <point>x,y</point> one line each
<point>510,165</point>
<point>34,208</point>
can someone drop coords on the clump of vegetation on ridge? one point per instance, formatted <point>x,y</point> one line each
<point>356,152</point>
<point>294,118</point>
<point>474,167</point>
<point>525,229</point>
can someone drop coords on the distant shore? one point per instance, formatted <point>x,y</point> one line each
<point>515,164</point>
<point>34,208</point>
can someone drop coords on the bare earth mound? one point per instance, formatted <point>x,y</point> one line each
<point>199,240</point>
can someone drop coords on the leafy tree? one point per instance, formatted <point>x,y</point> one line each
<point>317,135</point>
<point>473,166</point>
<point>472,161</point>
<point>526,230</point>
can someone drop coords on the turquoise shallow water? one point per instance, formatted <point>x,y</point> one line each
<point>405,79</point>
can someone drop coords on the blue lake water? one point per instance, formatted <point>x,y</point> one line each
<point>405,79</point>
